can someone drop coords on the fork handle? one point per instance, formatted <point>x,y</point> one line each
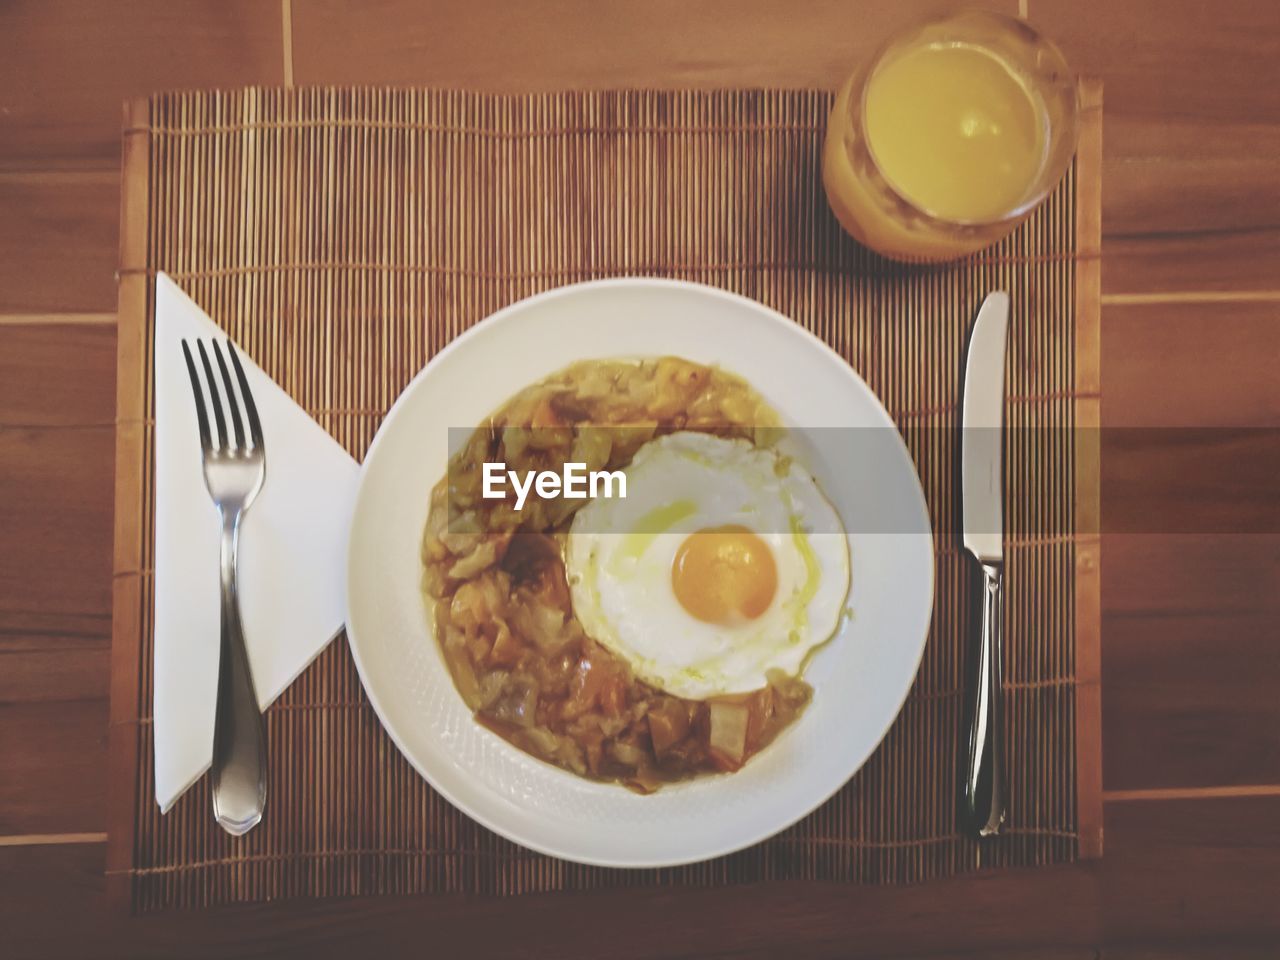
<point>239,748</point>
<point>984,788</point>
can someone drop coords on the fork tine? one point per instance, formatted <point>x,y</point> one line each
<point>217,399</point>
<point>202,418</point>
<point>250,408</point>
<point>231,396</point>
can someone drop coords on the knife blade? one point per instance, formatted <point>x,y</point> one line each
<point>982,489</point>
<point>981,466</point>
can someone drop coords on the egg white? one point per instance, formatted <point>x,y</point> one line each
<point>620,553</point>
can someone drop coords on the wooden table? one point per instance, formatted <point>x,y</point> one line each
<point>1191,594</point>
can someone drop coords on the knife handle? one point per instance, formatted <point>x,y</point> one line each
<point>984,799</point>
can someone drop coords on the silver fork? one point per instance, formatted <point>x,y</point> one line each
<point>233,472</point>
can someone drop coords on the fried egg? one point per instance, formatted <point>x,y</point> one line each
<point>724,563</point>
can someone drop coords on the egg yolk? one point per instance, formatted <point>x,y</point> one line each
<point>724,574</point>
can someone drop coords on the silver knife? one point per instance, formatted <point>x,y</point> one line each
<point>981,479</point>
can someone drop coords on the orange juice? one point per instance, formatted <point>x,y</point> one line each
<point>956,130</point>
<point>949,139</point>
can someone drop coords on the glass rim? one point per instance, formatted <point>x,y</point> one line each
<point>1050,177</point>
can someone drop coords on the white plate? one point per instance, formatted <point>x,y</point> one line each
<point>860,678</point>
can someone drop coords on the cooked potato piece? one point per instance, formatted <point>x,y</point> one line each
<point>729,729</point>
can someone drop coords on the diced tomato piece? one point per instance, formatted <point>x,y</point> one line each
<point>544,415</point>
<point>722,761</point>
<point>760,714</point>
<point>506,647</point>
<point>613,695</point>
<point>668,725</point>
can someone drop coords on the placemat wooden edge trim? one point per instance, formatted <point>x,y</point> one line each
<point>1088,471</point>
<point>133,304</point>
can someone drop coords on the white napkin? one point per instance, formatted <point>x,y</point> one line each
<point>293,547</point>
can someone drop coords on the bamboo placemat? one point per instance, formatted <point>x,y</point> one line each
<point>344,236</point>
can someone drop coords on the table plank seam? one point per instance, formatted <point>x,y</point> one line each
<point>56,319</point>
<point>50,839</point>
<point>1190,296</point>
<point>1191,793</point>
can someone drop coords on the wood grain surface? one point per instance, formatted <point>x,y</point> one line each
<point>1190,670</point>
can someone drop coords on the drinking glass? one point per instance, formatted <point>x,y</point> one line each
<point>876,204</point>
